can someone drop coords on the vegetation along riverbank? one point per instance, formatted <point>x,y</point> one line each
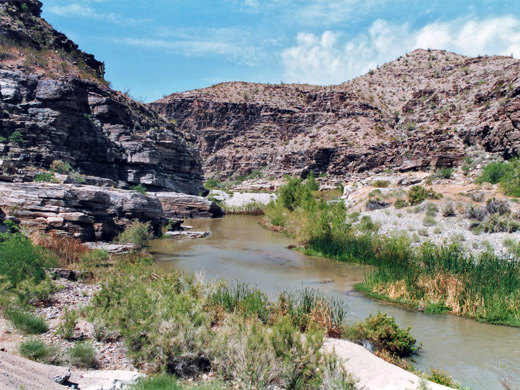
<point>431,277</point>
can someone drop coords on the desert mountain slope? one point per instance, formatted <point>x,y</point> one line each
<point>425,109</point>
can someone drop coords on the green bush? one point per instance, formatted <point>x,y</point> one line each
<point>400,204</point>
<point>442,378</point>
<point>139,188</point>
<point>45,178</point>
<point>26,322</point>
<point>20,260</point>
<point>35,349</point>
<point>494,172</point>
<point>382,331</point>
<point>211,184</point>
<point>82,354</point>
<point>418,194</point>
<point>16,138</point>
<point>168,382</point>
<point>68,324</point>
<point>444,173</point>
<point>138,233</point>
<point>60,167</point>
<point>380,183</point>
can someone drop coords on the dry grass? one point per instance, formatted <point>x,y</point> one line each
<point>68,250</point>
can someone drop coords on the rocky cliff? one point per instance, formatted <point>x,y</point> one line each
<point>57,113</point>
<point>425,109</point>
<point>55,105</point>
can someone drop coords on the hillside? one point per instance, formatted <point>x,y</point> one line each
<point>55,105</point>
<point>425,109</point>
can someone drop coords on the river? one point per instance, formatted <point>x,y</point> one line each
<point>238,249</point>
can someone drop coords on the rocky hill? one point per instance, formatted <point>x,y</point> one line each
<point>61,123</point>
<point>425,109</point>
<point>55,105</point>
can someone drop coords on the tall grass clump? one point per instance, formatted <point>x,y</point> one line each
<point>21,260</point>
<point>68,250</point>
<point>138,234</point>
<point>37,350</point>
<point>26,322</point>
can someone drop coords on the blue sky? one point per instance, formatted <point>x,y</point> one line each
<point>155,47</point>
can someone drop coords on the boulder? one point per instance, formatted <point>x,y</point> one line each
<point>177,205</point>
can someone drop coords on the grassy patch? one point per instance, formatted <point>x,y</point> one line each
<point>35,349</point>
<point>26,322</point>
<point>82,354</point>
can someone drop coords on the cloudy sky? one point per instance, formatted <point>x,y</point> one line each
<point>156,47</point>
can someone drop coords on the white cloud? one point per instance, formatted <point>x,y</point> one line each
<point>331,59</point>
<point>213,43</point>
<point>86,11</point>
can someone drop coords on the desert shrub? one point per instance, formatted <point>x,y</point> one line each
<point>418,194</point>
<point>478,213</point>
<point>170,382</point>
<point>380,183</point>
<point>82,354</point>
<point>67,324</point>
<point>444,173</point>
<point>241,298</point>
<point>60,167</point>
<point>139,188</point>
<point>95,258</point>
<point>138,233</point>
<point>45,178</point>
<point>68,250</point>
<point>382,331</point>
<point>429,220</point>
<point>497,223</point>
<point>494,172</point>
<point>367,225</point>
<point>26,322</point>
<point>478,196</point>
<point>500,207</point>
<point>311,183</point>
<point>211,184</point>
<point>431,210</point>
<point>20,260</point>
<point>400,204</point>
<point>448,210</point>
<point>35,349</point>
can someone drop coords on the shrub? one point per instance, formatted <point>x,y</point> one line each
<point>448,210</point>
<point>442,378</point>
<point>500,207</point>
<point>82,354</point>
<point>478,196</point>
<point>478,213</point>
<point>494,172</point>
<point>400,204</point>
<point>16,138</point>
<point>67,324</point>
<point>35,349</point>
<point>429,221</point>
<point>418,194</point>
<point>497,223</point>
<point>211,184</point>
<point>139,188</point>
<point>367,225</point>
<point>380,183</point>
<point>20,260</point>
<point>26,322</point>
<point>45,178</point>
<point>382,331</point>
<point>311,183</point>
<point>444,173</point>
<point>169,382</point>
<point>68,250</point>
<point>60,167</point>
<point>138,233</point>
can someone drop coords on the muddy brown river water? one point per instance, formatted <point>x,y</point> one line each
<point>238,249</point>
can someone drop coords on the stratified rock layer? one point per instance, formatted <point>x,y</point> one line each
<point>87,212</point>
<point>55,105</point>
<point>177,205</point>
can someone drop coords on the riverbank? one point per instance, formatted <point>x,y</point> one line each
<point>110,355</point>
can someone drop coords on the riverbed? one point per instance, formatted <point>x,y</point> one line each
<point>239,249</point>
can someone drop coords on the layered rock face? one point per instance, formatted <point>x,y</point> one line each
<point>87,212</point>
<point>176,205</point>
<point>55,106</point>
<point>54,98</point>
<point>423,110</point>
